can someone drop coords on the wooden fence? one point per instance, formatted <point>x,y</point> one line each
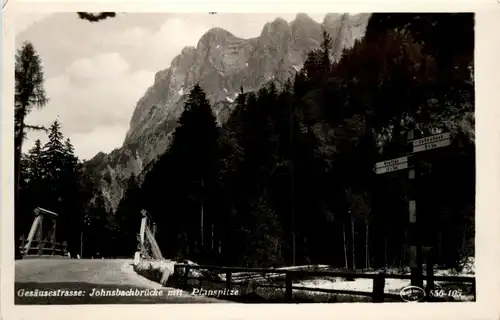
<point>42,248</point>
<point>377,294</point>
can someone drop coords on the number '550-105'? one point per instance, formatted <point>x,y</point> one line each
<point>445,293</point>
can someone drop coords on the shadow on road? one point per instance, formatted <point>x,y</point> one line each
<point>167,295</point>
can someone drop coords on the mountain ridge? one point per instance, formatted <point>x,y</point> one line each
<point>221,63</point>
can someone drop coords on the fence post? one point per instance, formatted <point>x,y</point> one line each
<point>54,247</point>
<point>474,288</point>
<point>185,276</point>
<point>378,287</point>
<point>288,290</point>
<point>228,280</point>
<point>65,247</point>
<point>430,273</point>
<point>41,247</point>
<point>22,242</point>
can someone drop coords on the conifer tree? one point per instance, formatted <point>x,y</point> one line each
<point>99,238</point>
<point>128,216</point>
<point>34,170</point>
<point>312,66</point>
<point>71,194</point>
<point>31,188</point>
<point>195,147</point>
<point>71,160</point>
<point>326,46</point>
<point>29,92</point>
<point>53,158</point>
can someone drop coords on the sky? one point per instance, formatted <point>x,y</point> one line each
<point>96,72</point>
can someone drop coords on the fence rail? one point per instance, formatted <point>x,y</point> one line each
<point>377,294</point>
<point>38,247</point>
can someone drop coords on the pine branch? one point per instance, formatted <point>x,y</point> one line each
<point>95,17</point>
<point>36,128</point>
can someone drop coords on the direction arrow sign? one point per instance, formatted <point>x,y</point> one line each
<point>434,138</point>
<point>391,162</point>
<point>391,168</point>
<point>432,145</point>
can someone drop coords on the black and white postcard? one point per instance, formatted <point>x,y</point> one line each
<point>308,158</point>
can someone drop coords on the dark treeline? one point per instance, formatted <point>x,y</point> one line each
<point>51,176</point>
<point>293,165</point>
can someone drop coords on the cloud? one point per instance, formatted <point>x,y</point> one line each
<point>170,40</point>
<point>94,101</point>
<point>107,138</point>
<point>25,20</point>
<point>155,49</point>
<point>98,72</point>
<point>95,96</point>
<point>133,36</point>
<point>102,66</point>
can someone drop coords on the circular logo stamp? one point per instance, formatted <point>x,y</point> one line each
<point>412,294</point>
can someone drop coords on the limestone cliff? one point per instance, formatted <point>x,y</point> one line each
<point>221,63</point>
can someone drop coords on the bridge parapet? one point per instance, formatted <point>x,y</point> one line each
<point>41,241</point>
<point>148,246</point>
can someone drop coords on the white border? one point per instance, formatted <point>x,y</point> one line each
<point>487,55</point>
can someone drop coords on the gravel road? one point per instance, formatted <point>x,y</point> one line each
<point>79,281</point>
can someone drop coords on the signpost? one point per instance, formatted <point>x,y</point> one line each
<point>418,145</point>
<point>391,165</point>
<point>432,142</point>
<point>414,235</point>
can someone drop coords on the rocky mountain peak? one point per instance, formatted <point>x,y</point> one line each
<point>215,35</point>
<point>304,18</point>
<point>274,32</point>
<point>221,63</point>
<point>279,24</point>
<point>188,50</point>
<point>331,18</point>
<point>161,75</point>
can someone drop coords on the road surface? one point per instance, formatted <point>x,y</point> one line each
<point>91,281</point>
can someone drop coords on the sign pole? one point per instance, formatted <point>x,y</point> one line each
<point>410,162</point>
<point>414,234</point>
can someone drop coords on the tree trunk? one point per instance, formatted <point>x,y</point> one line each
<point>201,222</point>
<point>212,238</point>
<point>305,246</point>
<point>440,241</point>
<point>385,251</point>
<point>464,238</point>
<point>18,221</point>
<point>345,246</point>
<point>353,245</point>
<point>464,252</point>
<point>406,248</point>
<point>366,247</point>
<point>18,151</point>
